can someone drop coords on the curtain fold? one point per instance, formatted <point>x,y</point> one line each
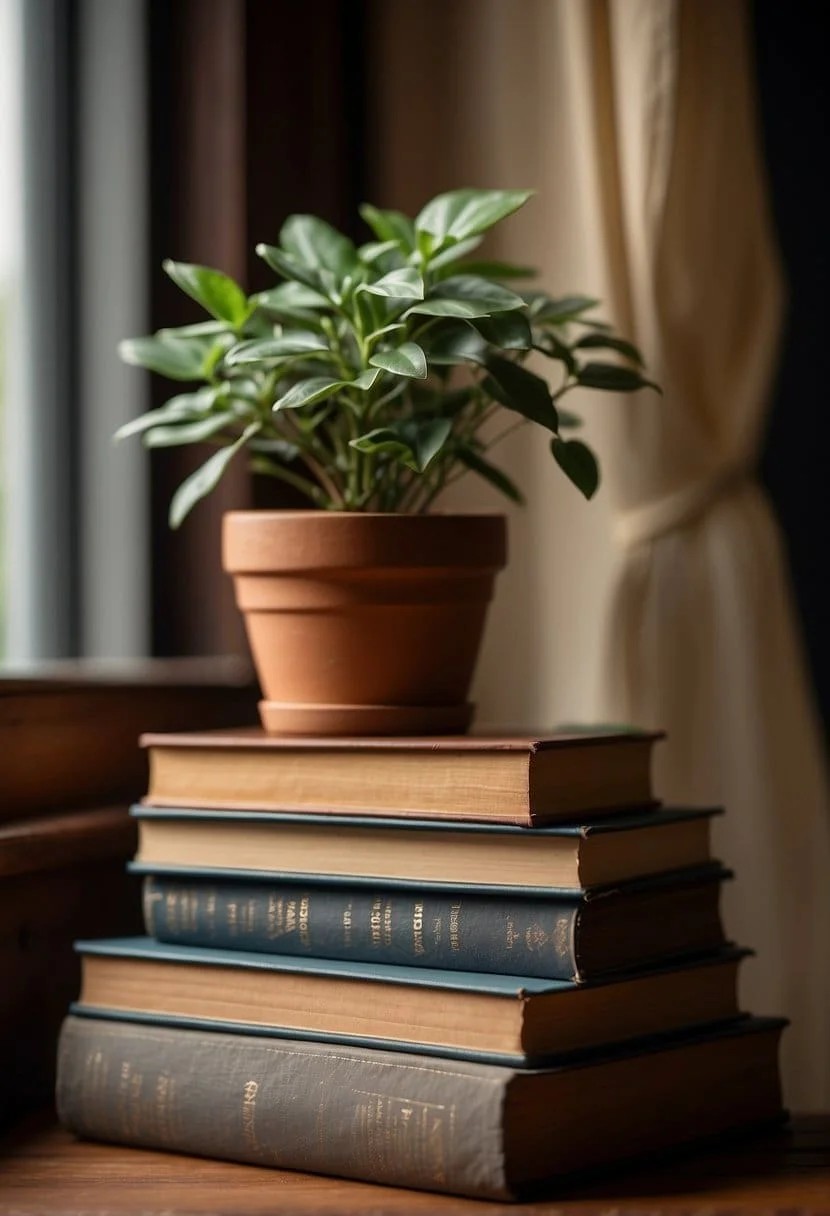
<point>635,120</point>
<point>701,630</point>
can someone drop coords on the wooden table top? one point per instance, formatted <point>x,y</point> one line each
<point>44,1170</point>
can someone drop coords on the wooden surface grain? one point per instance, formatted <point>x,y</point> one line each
<point>44,1170</point>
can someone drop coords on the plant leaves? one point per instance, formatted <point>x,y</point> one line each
<point>602,341</point>
<point>407,360</point>
<point>188,432</point>
<point>290,297</point>
<point>390,226</point>
<point>453,253</point>
<point>291,269</point>
<point>490,296</point>
<point>366,380</point>
<point>435,306</point>
<point>464,213</point>
<point>567,420</point>
<point>306,392</point>
<point>206,477</point>
<point>499,270</point>
<point>611,377</point>
<point>509,330</point>
<point>312,242</point>
<point>385,439</point>
<point>428,436</point>
<point>290,342</point>
<point>496,477</point>
<point>403,284</point>
<point>177,409</point>
<point>456,343</point>
<point>176,358</point>
<point>545,309</point>
<point>520,390</point>
<point>202,329</point>
<point>216,292</point>
<point>578,463</point>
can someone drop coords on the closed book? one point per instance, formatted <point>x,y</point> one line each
<point>516,779</point>
<point>459,1127</point>
<point>515,1019</point>
<point>572,936</point>
<point>458,856</point>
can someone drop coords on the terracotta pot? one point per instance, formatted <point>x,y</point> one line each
<point>363,624</point>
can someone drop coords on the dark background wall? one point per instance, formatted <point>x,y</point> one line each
<point>791,55</point>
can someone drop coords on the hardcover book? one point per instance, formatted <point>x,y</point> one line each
<point>515,1019</point>
<point>573,936</point>
<point>516,779</point>
<point>461,856</point>
<point>444,1125</point>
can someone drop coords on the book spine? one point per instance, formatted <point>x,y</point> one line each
<point>377,1116</point>
<point>529,937</point>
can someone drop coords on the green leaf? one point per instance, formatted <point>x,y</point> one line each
<point>463,310</point>
<point>548,344</point>
<point>366,380</point>
<point>403,284</point>
<point>291,269</point>
<point>290,342</point>
<point>520,390</point>
<point>456,343</point>
<point>370,252</point>
<point>496,477</point>
<point>613,378</point>
<point>544,308</point>
<point>312,242</point>
<point>205,478</point>
<point>385,440</point>
<point>429,436</point>
<point>202,329</point>
<point>414,442</point>
<point>600,341</point>
<point>407,360</point>
<point>499,270</point>
<point>390,226</point>
<point>290,297</point>
<point>176,358</point>
<point>216,292</point>
<point>306,392</point>
<point>577,462</point>
<point>509,330</point>
<point>177,409</point>
<point>567,420</point>
<point>464,213</point>
<point>454,253</point>
<point>476,290</point>
<point>188,432</point>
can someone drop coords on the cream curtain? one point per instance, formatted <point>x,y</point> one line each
<point>665,602</point>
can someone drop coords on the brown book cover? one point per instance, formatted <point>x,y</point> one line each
<point>522,779</point>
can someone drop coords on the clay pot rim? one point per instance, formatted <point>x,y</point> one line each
<point>260,541</point>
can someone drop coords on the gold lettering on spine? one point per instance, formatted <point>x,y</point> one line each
<point>418,928</point>
<point>249,1092</point>
<point>275,917</point>
<point>347,925</point>
<point>375,918</point>
<point>305,905</point>
<point>232,917</point>
<point>455,934</point>
<point>387,923</point>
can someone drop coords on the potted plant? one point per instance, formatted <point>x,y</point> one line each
<point>370,378</point>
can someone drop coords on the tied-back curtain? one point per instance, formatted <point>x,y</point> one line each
<point>702,638</point>
<point>666,601</point>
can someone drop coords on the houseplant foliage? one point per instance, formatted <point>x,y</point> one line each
<point>371,377</point>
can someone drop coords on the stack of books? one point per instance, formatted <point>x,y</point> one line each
<point>465,965</point>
